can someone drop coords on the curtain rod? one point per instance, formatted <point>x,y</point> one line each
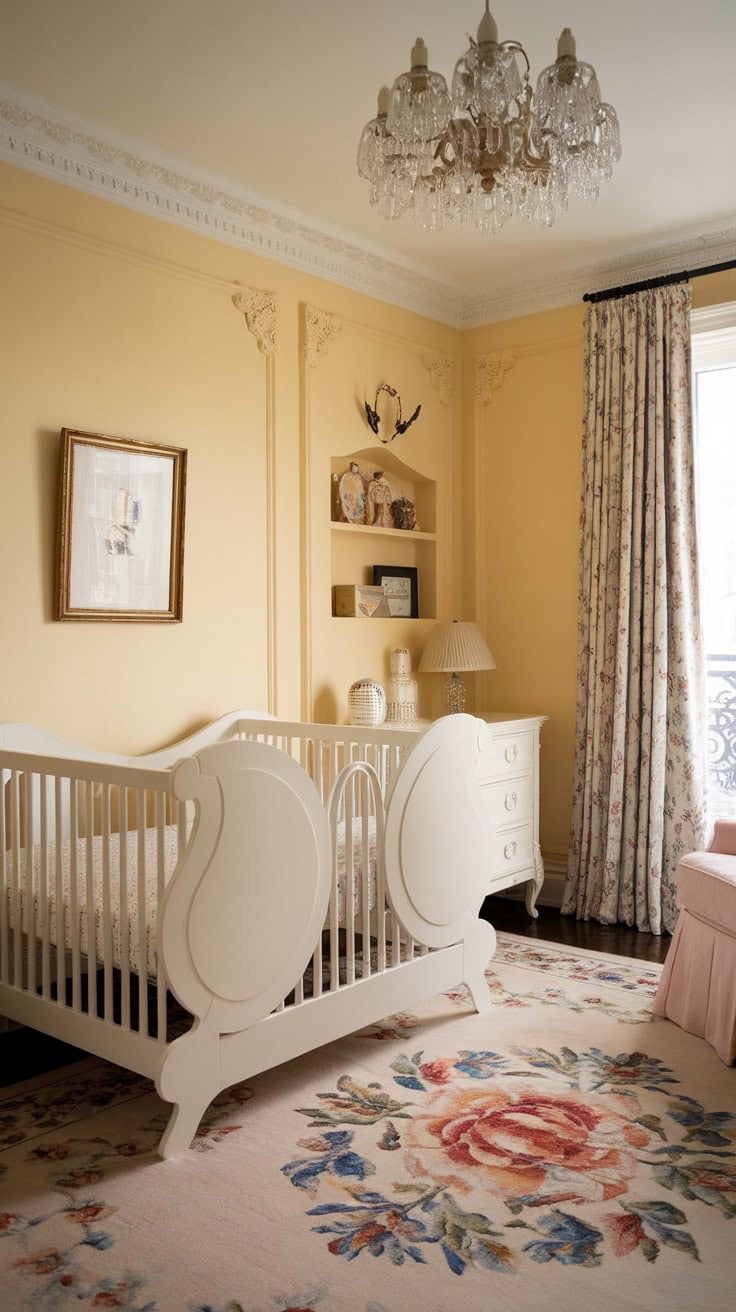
<point>610,293</point>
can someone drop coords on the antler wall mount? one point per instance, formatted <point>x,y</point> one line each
<point>386,412</point>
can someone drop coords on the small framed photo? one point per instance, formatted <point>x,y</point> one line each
<point>121,529</point>
<point>401,589</point>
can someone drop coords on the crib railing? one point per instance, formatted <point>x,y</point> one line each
<point>324,749</point>
<point>88,848</point>
<point>86,859</point>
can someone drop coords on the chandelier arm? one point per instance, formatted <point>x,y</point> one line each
<point>516,48</point>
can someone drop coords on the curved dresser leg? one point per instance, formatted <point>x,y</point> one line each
<point>534,886</point>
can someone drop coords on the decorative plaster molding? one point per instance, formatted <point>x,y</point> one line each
<point>489,373</point>
<point>691,250</point>
<point>440,369</point>
<point>259,309</point>
<point>63,147</point>
<point>37,136</point>
<point>319,330</point>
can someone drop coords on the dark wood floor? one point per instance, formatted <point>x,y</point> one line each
<point>25,1053</point>
<point>509,914</point>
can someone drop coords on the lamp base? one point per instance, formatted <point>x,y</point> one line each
<point>455,689</point>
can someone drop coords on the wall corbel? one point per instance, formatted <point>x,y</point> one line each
<point>490,370</point>
<point>320,328</point>
<point>440,372</point>
<point>260,310</point>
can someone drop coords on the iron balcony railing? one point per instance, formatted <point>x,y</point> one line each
<point>721,693</point>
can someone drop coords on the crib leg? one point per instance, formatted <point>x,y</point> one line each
<point>188,1077</point>
<point>480,945</point>
<point>182,1127</point>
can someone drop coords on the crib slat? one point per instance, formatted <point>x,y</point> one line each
<point>14,799</point>
<point>107,903</point>
<point>141,912</point>
<point>90,902</point>
<point>4,884</point>
<point>30,891</point>
<point>74,896</point>
<point>314,766</point>
<point>43,891</point>
<point>60,914</point>
<point>365,874</point>
<point>124,908</point>
<point>160,887</point>
<point>349,884</point>
<point>317,969</point>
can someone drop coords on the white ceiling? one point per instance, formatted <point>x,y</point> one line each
<point>266,101</point>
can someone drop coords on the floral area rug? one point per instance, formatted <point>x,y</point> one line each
<point>566,1151</point>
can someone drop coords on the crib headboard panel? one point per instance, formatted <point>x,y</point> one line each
<point>241,917</point>
<point>436,840</point>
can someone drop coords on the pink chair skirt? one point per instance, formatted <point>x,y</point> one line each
<point>698,986</point>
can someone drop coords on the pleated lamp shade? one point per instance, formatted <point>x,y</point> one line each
<point>456,646</point>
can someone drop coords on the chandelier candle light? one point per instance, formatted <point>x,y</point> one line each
<point>455,646</point>
<point>490,147</point>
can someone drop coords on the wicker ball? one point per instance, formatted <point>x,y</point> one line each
<point>366,702</point>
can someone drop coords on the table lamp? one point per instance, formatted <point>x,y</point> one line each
<point>455,646</point>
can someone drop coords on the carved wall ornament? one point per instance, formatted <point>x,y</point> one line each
<point>441,375</point>
<point>388,415</point>
<point>320,329</point>
<point>490,370</point>
<point>260,309</point>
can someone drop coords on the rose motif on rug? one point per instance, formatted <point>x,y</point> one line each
<point>498,1159</point>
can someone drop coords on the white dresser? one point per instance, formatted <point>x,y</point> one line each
<point>508,768</point>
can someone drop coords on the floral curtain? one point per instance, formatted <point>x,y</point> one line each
<point>639,783</point>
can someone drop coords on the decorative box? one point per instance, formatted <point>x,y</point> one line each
<point>361,600</point>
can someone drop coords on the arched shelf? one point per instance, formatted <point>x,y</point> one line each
<point>372,491</point>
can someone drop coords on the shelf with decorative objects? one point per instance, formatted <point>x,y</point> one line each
<point>374,495</point>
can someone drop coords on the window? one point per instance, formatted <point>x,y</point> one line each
<point>714,395</point>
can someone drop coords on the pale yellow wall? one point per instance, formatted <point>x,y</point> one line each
<point>523,506</point>
<point>116,323</point>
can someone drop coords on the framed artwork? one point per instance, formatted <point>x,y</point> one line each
<point>400,587</point>
<point>121,529</point>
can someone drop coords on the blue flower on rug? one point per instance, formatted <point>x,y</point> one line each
<point>568,1156</point>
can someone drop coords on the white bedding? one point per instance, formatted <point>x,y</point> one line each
<point>150,897</point>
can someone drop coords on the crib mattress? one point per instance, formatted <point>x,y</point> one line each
<point>132,930</point>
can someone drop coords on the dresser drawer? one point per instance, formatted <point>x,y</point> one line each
<point>504,754</point>
<point>512,849</point>
<point>508,802</point>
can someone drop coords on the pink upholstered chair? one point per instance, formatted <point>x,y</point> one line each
<point>698,986</point>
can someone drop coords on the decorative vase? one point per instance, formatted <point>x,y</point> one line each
<point>402,689</point>
<point>366,702</point>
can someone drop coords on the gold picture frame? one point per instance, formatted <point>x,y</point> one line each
<point>121,529</point>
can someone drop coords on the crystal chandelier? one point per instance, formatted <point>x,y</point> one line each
<point>489,148</point>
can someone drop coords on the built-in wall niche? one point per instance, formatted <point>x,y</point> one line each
<point>383,512</point>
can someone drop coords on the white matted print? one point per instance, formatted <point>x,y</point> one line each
<point>121,529</point>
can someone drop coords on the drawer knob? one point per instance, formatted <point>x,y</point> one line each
<point>510,851</point>
<point>511,752</point>
<point>510,801</point>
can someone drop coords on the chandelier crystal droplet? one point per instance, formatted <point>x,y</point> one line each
<point>489,148</point>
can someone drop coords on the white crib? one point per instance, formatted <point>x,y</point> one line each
<point>261,888</point>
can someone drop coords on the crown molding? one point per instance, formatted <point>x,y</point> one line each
<point>45,140</point>
<point>691,250</point>
<point>65,148</point>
